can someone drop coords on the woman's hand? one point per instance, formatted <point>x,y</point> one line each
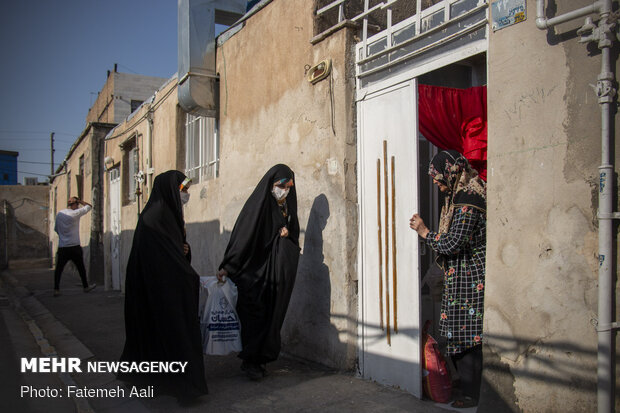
<point>221,274</point>
<point>416,223</point>
<point>283,232</point>
<point>185,248</point>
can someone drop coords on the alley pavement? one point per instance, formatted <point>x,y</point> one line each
<point>34,323</point>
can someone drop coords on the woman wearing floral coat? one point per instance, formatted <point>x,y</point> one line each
<point>461,247</point>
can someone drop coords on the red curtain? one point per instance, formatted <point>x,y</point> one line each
<point>456,119</point>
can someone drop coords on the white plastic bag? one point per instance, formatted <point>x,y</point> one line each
<point>219,323</point>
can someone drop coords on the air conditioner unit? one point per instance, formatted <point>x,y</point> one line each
<point>31,181</point>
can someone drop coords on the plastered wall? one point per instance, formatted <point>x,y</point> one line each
<point>542,262</point>
<point>24,220</point>
<point>269,114</point>
<point>166,155</point>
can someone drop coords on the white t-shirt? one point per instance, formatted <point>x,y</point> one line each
<point>68,226</point>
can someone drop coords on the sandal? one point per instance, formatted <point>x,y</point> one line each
<point>464,403</point>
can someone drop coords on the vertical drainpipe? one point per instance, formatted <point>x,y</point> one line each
<point>605,91</point>
<point>137,162</point>
<point>149,153</point>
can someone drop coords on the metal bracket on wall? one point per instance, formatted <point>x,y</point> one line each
<point>608,327</point>
<point>613,215</point>
<point>188,74</point>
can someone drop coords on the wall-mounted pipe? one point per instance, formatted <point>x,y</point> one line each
<point>543,23</point>
<point>605,91</point>
<point>149,154</point>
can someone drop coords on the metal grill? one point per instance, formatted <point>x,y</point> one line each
<point>202,148</point>
<point>396,30</point>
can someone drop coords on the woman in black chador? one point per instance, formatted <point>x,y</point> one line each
<point>161,294</point>
<point>261,259</point>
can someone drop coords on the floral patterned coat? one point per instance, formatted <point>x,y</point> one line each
<point>464,250</point>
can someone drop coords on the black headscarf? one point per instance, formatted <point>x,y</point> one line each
<point>161,295</point>
<point>466,187</point>
<point>263,265</point>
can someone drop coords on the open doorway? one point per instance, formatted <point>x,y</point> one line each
<point>396,296</point>
<point>464,74</point>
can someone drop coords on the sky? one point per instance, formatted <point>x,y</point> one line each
<point>55,58</point>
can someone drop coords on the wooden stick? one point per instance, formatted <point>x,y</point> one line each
<point>379,245</point>
<point>387,244</point>
<point>394,270</point>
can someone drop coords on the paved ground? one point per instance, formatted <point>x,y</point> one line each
<point>90,326</point>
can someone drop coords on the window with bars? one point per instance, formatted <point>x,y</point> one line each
<point>202,149</point>
<point>130,167</point>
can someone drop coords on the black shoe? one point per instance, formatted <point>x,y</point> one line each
<point>252,370</point>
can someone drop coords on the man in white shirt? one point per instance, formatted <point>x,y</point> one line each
<point>68,228</point>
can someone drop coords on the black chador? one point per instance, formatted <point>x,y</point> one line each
<point>161,295</point>
<point>263,264</point>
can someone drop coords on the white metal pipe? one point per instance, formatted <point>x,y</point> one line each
<point>149,153</point>
<point>605,379</point>
<point>543,23</point>
<point>605,391</point>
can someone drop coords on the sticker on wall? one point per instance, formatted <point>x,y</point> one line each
<point>507,12</point>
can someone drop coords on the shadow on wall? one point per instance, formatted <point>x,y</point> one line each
<point>18,240</point>
<point>206,241</point>
<point>308,331</point>
<point>575,371</point>
<point>208,246</point>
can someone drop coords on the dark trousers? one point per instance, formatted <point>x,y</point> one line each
<point>66,254</point>
<point>469,366</point>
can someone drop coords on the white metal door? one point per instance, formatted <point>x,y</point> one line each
<point>390,294</point>
<point>115,223</point>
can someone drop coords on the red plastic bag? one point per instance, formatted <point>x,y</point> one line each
<point>437,381</point>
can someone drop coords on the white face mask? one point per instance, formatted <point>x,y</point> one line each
<point>184,197</point>
<point>279,193</point>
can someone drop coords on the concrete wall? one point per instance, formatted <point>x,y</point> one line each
<point>542,265</point>
<point>270,116</point>
<point>168,153</point>
<point>102,109</point>
<point>128,87</point>
<point>274,115</point>
<point>23,223</point>
<point>113,103</point>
